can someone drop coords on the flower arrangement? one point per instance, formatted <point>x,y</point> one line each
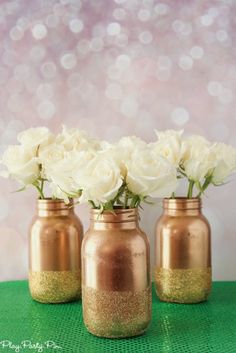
<point>123,174</point>
<point>196,159</point>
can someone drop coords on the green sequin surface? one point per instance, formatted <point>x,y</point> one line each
<point>208,327</point>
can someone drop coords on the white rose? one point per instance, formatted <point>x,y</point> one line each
<point>197,158</point>
<point>100,180</point>
<point>150,175</point>
<point>21,164</point>
<point>75,139</point>
<point>35,137</point>
<point>226,162</point>
<point>168,145</point>
<point>122,151</point>
<point>62,172</point>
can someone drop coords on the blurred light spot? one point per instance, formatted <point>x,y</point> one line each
<point>178,26</point>
<point>123,61</point>
<point>45,91</point>
<point>119,14</point>
<point>120,1</point>
<point>113,91</point>
<point>96,44</point>
<point>49,69</point>
<point>214,88</point>
<point>113,72</point>
<point>16,33</point>
<point>21,72</point>
<point>163,74</point>
<point>129,107</point>
<point>39,31</point>
<point>206,20</point>
<point>197,52</point>
<point>221,35</point>
<point>185,62</point>
<point>68,61</point>
<point>99,30</point>
<point>46,110</point>
<point>37,53</point>
<point>225,96</point>
<point>83,46</point>
<point>76,25</point>
<point>122,40</point>
<point>113,29</point>
<point>144,15</point>
<point>180,116</point>
<point>164,62</point>
<point>145,37</point>
<point>161,9</point>
<point>52,21</point>
<point>23,23</point>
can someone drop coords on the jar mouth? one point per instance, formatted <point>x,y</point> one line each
<point>51,204</point>
<point>117,215</point>
<point>182,203</point>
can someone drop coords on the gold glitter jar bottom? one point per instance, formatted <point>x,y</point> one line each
<point>183,285</point>
<point>115,314</point>
<point>55,286</point>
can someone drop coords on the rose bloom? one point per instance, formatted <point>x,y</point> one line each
<point>21,164</point>
<point>150,175</point>
<point>100,180</point>
<point>122,151</point>
<point>225,162</point>
<point>76,139</point>
<point>197,158</point>
<point>168,145</point>
<point>35,137</point>
<point>61,173</point>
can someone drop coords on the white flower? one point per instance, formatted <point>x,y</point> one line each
<point>100,180</point>
<point>168,145</point>
<point>150,175</point>
<point>75,139</point>
<point>21,164</point>
<point>197,158</point>
<point>226,162</point>
<point>61,173</point>
<point>122,151</point>
<point>35,137</point>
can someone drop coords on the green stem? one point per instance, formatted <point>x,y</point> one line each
<point>41,195</point>
<point>204,186</point>
<point>126,200</point>
<point>190,189</point>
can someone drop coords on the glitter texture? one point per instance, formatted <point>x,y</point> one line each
<point>183,285</point>
<point>114,314</point>
<point>55,286</point>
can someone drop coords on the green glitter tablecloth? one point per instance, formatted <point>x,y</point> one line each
<point>208,327</point>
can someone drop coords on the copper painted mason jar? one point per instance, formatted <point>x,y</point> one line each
<point>183,252</point>
<point>116,284</point>
<point>55,253</point>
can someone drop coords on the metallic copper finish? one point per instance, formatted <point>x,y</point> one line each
<point>115,266</point>
<point>55,243</point>
<point>183,241</point>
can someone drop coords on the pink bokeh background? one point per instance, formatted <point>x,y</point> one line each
<point>115,68</point>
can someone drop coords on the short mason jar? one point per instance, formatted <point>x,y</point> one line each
<point>55,253</point>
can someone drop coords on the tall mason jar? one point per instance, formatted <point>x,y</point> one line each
<point>55,253</point>
<point>116,284</point>
<point>183,252</point>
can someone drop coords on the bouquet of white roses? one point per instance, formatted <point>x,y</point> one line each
<point>122,174</point>
<point>196,159</point>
